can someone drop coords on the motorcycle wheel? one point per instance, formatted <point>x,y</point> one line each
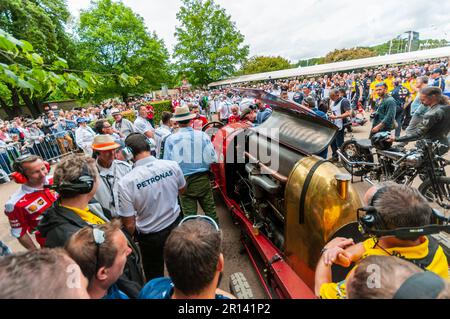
<point>354,153</point>
<point>427,190</point>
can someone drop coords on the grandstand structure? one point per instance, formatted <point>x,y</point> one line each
<point>401,58</point>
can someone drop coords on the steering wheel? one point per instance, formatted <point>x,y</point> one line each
<point>212,128</point>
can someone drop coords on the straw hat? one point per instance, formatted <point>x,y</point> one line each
<point>182,113</point>
<point>104,143</point>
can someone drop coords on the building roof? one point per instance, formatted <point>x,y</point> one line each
<point>339,66</point>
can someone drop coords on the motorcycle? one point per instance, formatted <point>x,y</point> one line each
<point>424,161</point>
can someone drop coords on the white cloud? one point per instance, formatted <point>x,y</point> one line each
<point>306,28</point>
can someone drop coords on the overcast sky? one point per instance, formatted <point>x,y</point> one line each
<point>298,29</point>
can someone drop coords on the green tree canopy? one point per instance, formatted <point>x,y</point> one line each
<point>348,54</point>
<point>113,39</point>
<point>43,24</point>
<point>209,46</point>
<point>259,64</point>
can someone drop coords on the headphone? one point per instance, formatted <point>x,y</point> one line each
<point>372,223</point>
<point>19,173</point>
<point>81,185</point>
<point>128,152</point>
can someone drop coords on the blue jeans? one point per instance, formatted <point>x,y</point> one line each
<point>399,120</point>
<point>337,142</point>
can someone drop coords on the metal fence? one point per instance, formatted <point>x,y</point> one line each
<point>52,147</point>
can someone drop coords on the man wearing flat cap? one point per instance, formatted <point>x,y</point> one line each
<point>110,170</point>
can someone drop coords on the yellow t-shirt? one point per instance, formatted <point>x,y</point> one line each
<point>390,83</point>
<point>87,215</point>
<point>373,87</point>
<point>409,85</point>
<point>439,265</point>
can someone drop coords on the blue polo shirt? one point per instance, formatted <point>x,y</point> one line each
<point>263,115</point>
<point>191,149</point>
<point>162,288</point>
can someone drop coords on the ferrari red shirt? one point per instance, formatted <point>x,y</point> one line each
<point>24,210</point>
<point>199,122</point>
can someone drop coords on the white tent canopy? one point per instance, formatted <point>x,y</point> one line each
<point>339,66</point>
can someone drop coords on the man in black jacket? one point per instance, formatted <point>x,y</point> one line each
<point>76,180</point>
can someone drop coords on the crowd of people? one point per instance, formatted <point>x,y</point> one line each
<point>123,203</point>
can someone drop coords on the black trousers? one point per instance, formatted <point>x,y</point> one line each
<point>152,250</point>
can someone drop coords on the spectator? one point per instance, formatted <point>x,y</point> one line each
<point>400,95</point>
<point>234,117</point>
<point>101,252</point>
<point>397,206</point>
<point>84,136</point>
<point>263,112</point>
<point>437,78</point>
<point>120,124</point>
<point>384,117</point>
<point>194,152</point>
<point>248,116</point>
<point>62,135</point>
<point>26,206</point>
<point>76,181</point>
<point>41,274</point>
<point>194,261</point>
<point>435,124</point>
<point>148,198</point>
<point>141,124</point>
<point>150,114</point>
<point>398,279</point>
<point>200,120</point>
<point>162,132</point>
<point>418,110</point>
<point>224,109</point>
<point>110,172</point>
<point>341,110</point>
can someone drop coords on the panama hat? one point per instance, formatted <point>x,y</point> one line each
<point>104,143</point>
<point>115,111</point>
<point>182,113</point>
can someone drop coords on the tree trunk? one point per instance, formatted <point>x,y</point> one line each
<point>125,98</point>
<point>32,104</point>
<point>15,110</point>
<point>10,111</point>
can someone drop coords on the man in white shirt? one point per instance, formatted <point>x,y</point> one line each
<point>143,126</point>
<point>224,109</point>
<point>148,202</point>
<point>120,124</point>
<point>110,171</point>
<point>162,132</point>
<point>84,136</point>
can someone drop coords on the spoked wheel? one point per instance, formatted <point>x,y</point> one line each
<point>438,195</point>
<point>354,153</point>
<point>212,128</point>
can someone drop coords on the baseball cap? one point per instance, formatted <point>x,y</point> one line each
<point>82,120</point>
<point>437,70</point>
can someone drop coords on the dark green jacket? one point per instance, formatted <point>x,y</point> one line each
<point>386,114</point>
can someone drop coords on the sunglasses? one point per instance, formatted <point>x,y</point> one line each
<point>99,239</point>
<point>200,217</point>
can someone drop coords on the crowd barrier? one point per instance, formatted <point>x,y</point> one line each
<point>52,147</point>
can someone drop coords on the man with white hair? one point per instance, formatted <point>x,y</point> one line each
<point>120,124</point>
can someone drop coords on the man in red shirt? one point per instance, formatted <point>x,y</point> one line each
<point>199,121</point>
<point>150,115</point>
<point>234,117</point>
<point>25,207</point>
